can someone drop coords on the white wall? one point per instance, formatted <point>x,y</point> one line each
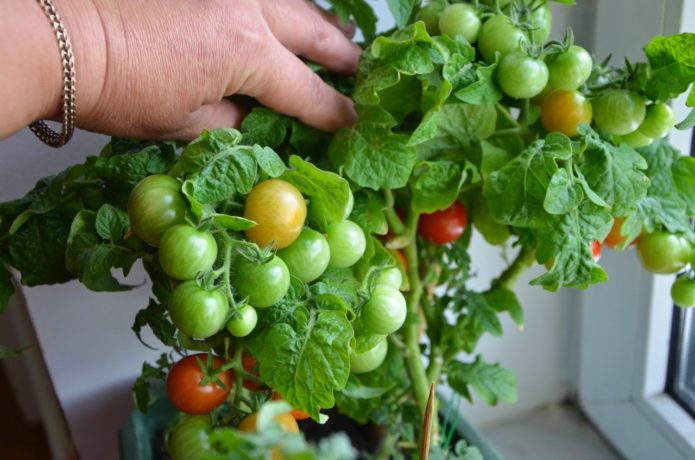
<point>93,357</point>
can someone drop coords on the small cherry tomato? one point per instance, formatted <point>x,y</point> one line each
<point>347,244</point>
<point>197,312</point>
<point>186,391</point>
<point>155,204</point>
<point>279,210</point>
<point>521,76</point>
<point>683,292</point>
<point>664,253</point>
<point>563,111</point>
<point>442,227</point>
<point>460,19</point>
<point>596,250</point>
<point>286,421</point>
<point>570,69</point>
<point>296,413</point>
<point>369,360</point>
<point>244,323</point>
<point>619,111</point>
<point>184,252</point>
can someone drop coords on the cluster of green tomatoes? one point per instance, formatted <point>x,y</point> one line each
<point>552,77</point>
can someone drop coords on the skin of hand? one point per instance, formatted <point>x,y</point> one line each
<point>161,69</point>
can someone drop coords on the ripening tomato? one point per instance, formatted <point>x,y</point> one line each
<point>615,238</point>
<point>186,391</point>
<point>442,227</point>
<point>279,210</point>
<point>596,250</point>
<point>563,111</point>
<point>288,424</point>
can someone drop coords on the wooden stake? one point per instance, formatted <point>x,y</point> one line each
<point>427,426</point>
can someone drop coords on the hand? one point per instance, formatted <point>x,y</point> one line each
<point>162,69</point>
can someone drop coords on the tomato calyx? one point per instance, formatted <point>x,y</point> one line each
<point>210,372</point>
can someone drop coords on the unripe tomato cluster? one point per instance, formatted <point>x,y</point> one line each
<point>553,76</point>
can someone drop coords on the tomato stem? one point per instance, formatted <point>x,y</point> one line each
<point>502,110</point>
<point>395,222</point>
<point>523,261</point>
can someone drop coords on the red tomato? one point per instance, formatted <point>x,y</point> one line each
<point>444,226</point>
<point>185,390</point>
<point>596,250</point>
<point>614,238</point>
<point>250,366</point>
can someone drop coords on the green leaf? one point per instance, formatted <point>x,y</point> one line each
<point>230,172</point>
<point>689,121</point>
<point>142,395</point>
<point>91,260</point>
<point>155,317</point>
<point>483,89</point>
<point>481,313</point>
<point>490,381</point>
<point>307,362</point>
<point>269,161</point>
<point>111,223</point>
<point>401,10</point>
<point>668,203</point>
<point>672,61</point>
<point>38,249</point>
<point>368,211</point>
<point>236,223</point>
<point>360,10</point>
<point>201,150</point>
<point>9,352</point>
<point>493,232</point>
<point>563,194</point>
<point>371,155</point>
<point>6,287</point>
<point>264,127</point>
<point>435,185</point>
<point>339,282</point>
<point>326,190</point>
<point>503,299</point>
<point>462,124</point>
<point>615,174</point>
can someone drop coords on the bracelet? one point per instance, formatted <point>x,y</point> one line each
<point>41,129</point>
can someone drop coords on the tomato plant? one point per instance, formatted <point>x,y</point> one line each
<point>155,205</point>
<point>446,226</point>
<point>563,111</point>
<point>299,301</point>
<point>521,76</point>
<point>197,312</point>
<point>185,252</point>
<point>264,284</point>
<point>279,211</point>
<point>193,389</point>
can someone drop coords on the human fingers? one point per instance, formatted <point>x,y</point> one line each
<point>302,29</point>
<point>221,114</point>
<point>285,84</point>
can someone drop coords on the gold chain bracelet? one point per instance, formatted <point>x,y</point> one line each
<point>42,131</point>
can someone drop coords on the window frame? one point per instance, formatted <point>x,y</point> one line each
<point>625,324</point>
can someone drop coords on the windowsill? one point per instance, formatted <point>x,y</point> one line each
<point>550,433</point>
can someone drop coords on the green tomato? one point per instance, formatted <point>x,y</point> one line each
<point>499,34</point>
<point>385,311</point>
<point>429,14</point>
<point>264,284</point>
<point>542,23</point>
<point>570,69</point>
<point>683,292</point>
<point>369,360</point>
<point>347,243</point>
<point>189,440</point>
<point>307,258</point>
<point>619,111</point>
<point>184,252</point>
<point>197,312</point>
<point>502,3</point>
<point>155,205</point>
<point>658,121</point>
<point>390,277</point>
<point>663,253</point>
<point>460,19</point>
<point>521,76</point>
<point>244,322</point>
<point>637,139</point>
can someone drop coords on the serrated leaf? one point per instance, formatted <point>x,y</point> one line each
<point>435,185</point>
<point>230,172</point>
<point>269,161</point>
<point>672,62</point>
<point>490,381</point>
<point>502,299</point>
<point>401,10</point>
<point>154,316</point>
<point>308,362</point>
<point>111,223</point>
<point>563,194</point>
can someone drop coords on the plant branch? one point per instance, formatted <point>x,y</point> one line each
<point>524,260</point>
<point>395,222</point>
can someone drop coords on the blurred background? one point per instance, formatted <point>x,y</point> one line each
<point>593,370</point>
